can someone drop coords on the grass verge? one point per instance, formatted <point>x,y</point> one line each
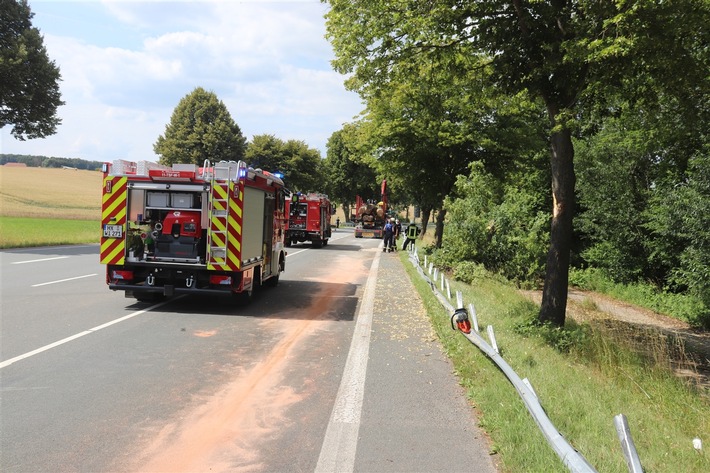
<point>584,377</point>
<point>680,306</point>
<point>16,232</point>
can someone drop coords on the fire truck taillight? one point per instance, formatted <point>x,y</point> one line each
<point>221,280</point>
<point>117,275</point>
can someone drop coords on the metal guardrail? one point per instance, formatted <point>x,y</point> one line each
<point>571,458</point>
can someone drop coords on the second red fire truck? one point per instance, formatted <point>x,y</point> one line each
<point>308,219</point>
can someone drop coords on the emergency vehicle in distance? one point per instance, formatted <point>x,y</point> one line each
<point>308,219</point>
<point>213,230</point>
<point>370,217</point>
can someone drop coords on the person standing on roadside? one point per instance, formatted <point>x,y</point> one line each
<point>389,233</point>
<point>412,233</point>
<point>397,232</point>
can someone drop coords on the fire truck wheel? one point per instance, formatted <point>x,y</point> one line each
<point>288,243</point>
<point>272,281</point>
<point>243,298</point>
<point>317,243</point>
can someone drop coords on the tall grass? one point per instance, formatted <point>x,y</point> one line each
<point>681,306</point>
<point>584,376</point>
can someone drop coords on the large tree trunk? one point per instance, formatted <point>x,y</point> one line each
<point>554,294</point>
<point>439,231</point>
<point>426,213</point>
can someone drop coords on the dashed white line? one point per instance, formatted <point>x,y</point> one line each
<point>79,335</point>
<point>38,260</point>
<point>64,280</point>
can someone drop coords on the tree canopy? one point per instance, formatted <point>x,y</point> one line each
<point>571,56</point>
<point>300,165</point>
<point>200,128</point>
<point>348,167</point>
<point>29,80</point>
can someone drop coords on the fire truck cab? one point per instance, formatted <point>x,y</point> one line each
<point>214,230</point>
<point>308,219</point>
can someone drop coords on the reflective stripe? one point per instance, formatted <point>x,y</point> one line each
<point>113,212</point>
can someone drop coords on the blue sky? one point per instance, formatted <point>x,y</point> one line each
<point>126,64</point>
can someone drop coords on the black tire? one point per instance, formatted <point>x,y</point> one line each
<point>272,281</point>
<point>243,298</point>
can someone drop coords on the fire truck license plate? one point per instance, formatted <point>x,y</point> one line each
<point>113,231</point>
<point>368,234</point>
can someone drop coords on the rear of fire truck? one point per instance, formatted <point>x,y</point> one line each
<point>370,217</point>
<point>215,230</point>
<point>308,219</point>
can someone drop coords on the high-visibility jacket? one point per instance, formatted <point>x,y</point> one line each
<point>412,231</point>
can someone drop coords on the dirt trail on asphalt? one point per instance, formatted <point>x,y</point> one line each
<point>689,348</point>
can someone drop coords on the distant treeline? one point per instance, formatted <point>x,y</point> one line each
<point>49,161</point>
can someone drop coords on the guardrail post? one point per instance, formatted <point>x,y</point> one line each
<point>492,338</point>
<point>474,319</point>
<point>627,444</point>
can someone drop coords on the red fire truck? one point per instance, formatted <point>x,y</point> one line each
<point>308,219</point>
<point>214,230</point>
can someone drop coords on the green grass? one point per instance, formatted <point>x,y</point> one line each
<point>584,376</point>
<point>680,306</point>
<point>18,232</point>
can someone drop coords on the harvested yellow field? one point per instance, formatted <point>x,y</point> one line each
<point>50,193</point>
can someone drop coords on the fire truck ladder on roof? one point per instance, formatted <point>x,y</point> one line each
<point>217,239</point>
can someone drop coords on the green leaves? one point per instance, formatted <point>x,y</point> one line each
<point>300,164</point>
<point>200,128</point>
<point>29,80</point>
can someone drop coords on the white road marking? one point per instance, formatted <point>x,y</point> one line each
<point>340,443</point>
<point>79,335</point>
<point>64,280</point>
<point>295,252</point>
<point>38,260</point>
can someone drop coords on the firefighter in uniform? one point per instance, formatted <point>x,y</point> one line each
<point>412,233</point>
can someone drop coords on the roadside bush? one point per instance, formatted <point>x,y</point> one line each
<point>499,227</point>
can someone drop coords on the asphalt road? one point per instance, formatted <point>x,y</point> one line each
<point>91,381</point>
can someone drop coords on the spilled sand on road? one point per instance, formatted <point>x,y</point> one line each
<point>224,432</point>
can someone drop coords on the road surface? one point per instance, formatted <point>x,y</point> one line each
<point>92,381</point>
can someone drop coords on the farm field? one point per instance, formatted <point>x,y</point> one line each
<point>48,206</point>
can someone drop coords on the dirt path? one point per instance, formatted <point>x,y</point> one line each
<point>688,349</point>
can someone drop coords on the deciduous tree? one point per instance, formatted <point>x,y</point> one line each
<point>29,80</point>
<point>200,128</point>
<point>559,51</point>
<point>348,168</point>
<point>300,165</point>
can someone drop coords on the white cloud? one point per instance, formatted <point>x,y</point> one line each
<point>267,61</point>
